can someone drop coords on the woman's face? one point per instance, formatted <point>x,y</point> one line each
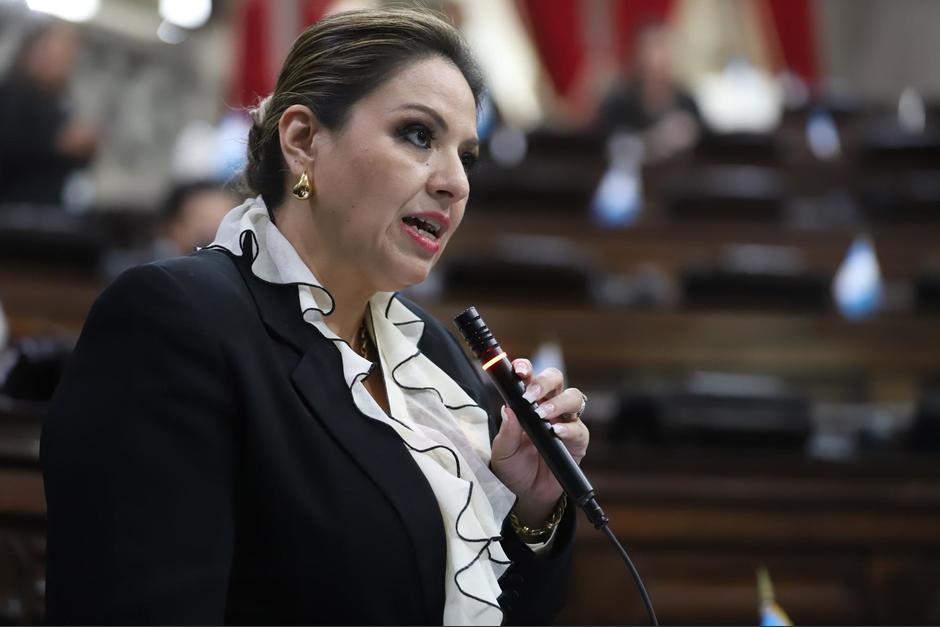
<point>391,185</point>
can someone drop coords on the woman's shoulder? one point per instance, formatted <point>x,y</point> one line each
<point>206,275</point>
<point>205,285</point>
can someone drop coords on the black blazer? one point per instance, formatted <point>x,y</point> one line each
<point>204,463</point>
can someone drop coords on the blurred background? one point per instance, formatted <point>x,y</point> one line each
<point>720,218</point>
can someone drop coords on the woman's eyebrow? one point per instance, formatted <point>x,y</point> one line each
<point>471,142</point>
<point>438,119</point>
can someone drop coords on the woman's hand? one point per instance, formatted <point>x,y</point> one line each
<point>517,462</point>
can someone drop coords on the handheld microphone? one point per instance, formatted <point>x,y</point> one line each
<point>511,388</point>
<point>550,447</point>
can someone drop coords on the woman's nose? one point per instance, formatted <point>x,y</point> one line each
<point>449,179</point>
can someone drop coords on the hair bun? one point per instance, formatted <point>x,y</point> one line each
<point>258,112</point>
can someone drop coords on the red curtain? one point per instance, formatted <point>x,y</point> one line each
<point>314,10</point>
<point>556,31</point>
<point>255,75</point>
<point>253,79</point>
<point>795,23</point>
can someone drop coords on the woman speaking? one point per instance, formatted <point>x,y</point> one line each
<point>264,432</point>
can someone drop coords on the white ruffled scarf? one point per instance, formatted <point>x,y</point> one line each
<point>445,430</point>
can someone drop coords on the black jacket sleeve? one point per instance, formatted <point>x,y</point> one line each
<point>138,461</point>
<point>535,587</point>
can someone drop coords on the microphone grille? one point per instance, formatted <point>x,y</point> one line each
<point>477,335</point>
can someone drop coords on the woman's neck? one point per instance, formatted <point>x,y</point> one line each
<point>350,293</point>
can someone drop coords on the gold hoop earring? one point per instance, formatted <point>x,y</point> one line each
<point>303,188</point>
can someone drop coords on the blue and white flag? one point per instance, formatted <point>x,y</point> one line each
<point>619,197</point>
<point>857,288</point>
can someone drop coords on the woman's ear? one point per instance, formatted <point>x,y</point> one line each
<point>298,127</point>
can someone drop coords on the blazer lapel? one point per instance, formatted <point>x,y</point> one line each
<point>318,379</point>
<point>376,449</point>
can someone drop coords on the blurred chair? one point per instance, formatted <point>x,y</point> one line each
<point>530,268</point>
<point>716,409</point>
<point>558,171</point>
<point>927,292</point>
<point>765,278</point>
<point>738,148</point>
<point>44,236</point>
<point>726,193</point>
<point>885,145</point>
<point>911,196</point>
<point>925,430</point>
<point>718,288</point>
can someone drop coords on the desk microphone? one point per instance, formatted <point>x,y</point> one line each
<point>572,479</point>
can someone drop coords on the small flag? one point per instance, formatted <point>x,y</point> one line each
<point>822,135</point>
<point>619,196</point>
<point>770,612</point>
<point>857,287</point>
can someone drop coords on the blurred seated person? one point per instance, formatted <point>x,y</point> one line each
<point>191,215</point>
<point>42,142</point>
<point>189,218</point>
<point>648,100</point>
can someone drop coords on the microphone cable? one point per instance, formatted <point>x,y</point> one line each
<point>635,573</point>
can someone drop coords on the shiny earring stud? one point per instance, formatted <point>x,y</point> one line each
<point>302,189</point>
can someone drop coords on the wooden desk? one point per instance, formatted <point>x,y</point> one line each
<point>885,358</point>
<point>902,250</point>
<point>851,543</point>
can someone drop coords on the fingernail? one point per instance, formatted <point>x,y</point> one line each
<point>545,410</point>
<point>521,369</point>
<point>532,392</point>
<point>502,412</point>
<point>559,430</point>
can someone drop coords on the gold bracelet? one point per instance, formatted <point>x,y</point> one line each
<point>531,535</point>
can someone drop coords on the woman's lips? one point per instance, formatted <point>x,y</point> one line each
<point>438,219</point>
<point>424,239</point>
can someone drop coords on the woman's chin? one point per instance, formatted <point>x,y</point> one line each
<point>405,276</point>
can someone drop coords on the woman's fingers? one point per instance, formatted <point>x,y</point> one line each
<point>523,368</point>
<point>562,408</point>
<point>576,437</point>
<point>545,384</point>
<point>510,437</point>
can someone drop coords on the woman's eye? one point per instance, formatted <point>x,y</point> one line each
<point>418,135</point>
<point>469,160</point>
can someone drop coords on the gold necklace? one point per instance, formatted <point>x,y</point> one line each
<point>363,340</point>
